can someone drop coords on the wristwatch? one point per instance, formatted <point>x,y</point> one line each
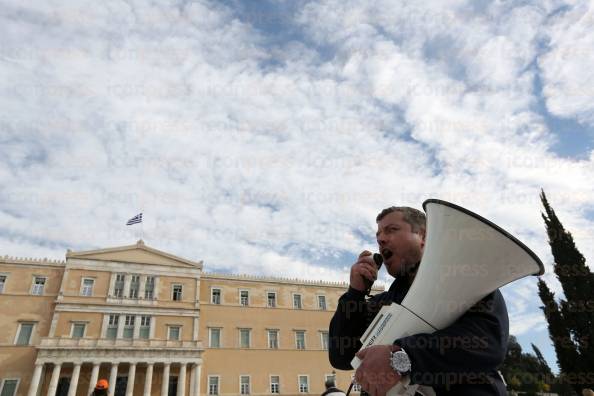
<point>400,361</point>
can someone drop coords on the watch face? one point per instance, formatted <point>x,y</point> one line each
<point>400,362</point>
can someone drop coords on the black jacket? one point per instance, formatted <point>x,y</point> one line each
<point>460,360</point>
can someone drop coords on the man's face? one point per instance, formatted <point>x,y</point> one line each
<point>400,247</point>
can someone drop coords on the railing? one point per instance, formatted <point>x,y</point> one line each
<point>86,343</point>
<point>131,300</point>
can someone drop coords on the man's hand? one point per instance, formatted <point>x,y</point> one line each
<point>375,375</point>
<point>363,272</point>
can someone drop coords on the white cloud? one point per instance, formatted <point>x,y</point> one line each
<point>567,66</point>
<point>275,159</point>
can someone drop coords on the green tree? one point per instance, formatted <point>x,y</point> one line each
<point>543,365</point>
<point>525,372</point>
<point>565,348</point>
<point>571,321</point>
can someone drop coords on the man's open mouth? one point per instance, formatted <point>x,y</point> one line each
<point>386,253</point>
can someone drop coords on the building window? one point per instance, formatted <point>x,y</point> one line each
<point>215,296</point>
<point>177,293</point>
<point>129,326</point>
<point>271,299</point>
<point>274,384</point>
<point>38,285</point>
<point>300,339</point>
<point>174,333</point>
<point>24,333</point>
<point>78,330</point>
<point>297,301</point>
<point>87,287</point>
<point>149,288</point>
<point>244,298</point>
<point>322,303</point>
<point>2,283</point>
<point>244,382</point>
<point>214,337</point>
<point>118,289</point>
<point>112,327</point>
<point>213,384</point>
<point>145,327</point>
<point>134,286</point>
<point>273,339</point>
<point>244,338</point>
<point>324,339</point>
<point>303,384</point>
<point>9,387</point>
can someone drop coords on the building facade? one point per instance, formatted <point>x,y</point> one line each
<point>155,324</point>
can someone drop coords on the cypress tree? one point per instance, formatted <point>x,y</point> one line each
<point>571,321</point>
<point>565,348</point>
<point>543,365</point>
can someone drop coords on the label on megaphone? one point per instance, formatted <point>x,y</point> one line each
<point>391,323</point>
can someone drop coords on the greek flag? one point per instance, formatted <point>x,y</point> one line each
<point>136,219</point>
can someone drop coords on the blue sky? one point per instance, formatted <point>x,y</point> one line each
<point>263,136</point>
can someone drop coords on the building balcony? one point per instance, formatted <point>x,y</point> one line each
<point>125,343</point>
<point>111,299</point>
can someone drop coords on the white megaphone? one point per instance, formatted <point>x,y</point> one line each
<point>466,257</point>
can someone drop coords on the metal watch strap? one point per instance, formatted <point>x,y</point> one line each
<point>398,350</point>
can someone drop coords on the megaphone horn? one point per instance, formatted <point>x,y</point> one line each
<point>466,257</point>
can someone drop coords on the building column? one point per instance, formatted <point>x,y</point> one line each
<point>195,380</point>
<point>113,378</point>
<point>55,317</point>
<point>165,380</point>
<point>136,332</point>
<point>94,377</point>
<point>53,385</point>
<point>110,292</point>
<point>195,329</point>
<point>74,380</point>
<point>148,380</point>
<point>127,281</point>
<point>157,290</point>
<point>121,324</point>
<point>104,324</point>
<point>141,286</point>
<point>131,375</point>
<point>35,379</point>
<point>181,380</point>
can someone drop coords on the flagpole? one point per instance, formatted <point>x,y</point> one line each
<point>142,222</point>
<point>142,211</point>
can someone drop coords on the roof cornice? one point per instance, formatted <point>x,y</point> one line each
<point>262,278</point>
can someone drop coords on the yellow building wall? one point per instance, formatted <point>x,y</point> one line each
<point>18,305</point>
<point>258,361</point>
<point>73,282</point>
<point>20,278</point>
<point>165,289</point>
<point>229,361</point>
<point>162,322</point>
<point>260,365</point>
<point>92,320</point>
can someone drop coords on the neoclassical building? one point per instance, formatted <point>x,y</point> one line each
<point>156,324</point>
